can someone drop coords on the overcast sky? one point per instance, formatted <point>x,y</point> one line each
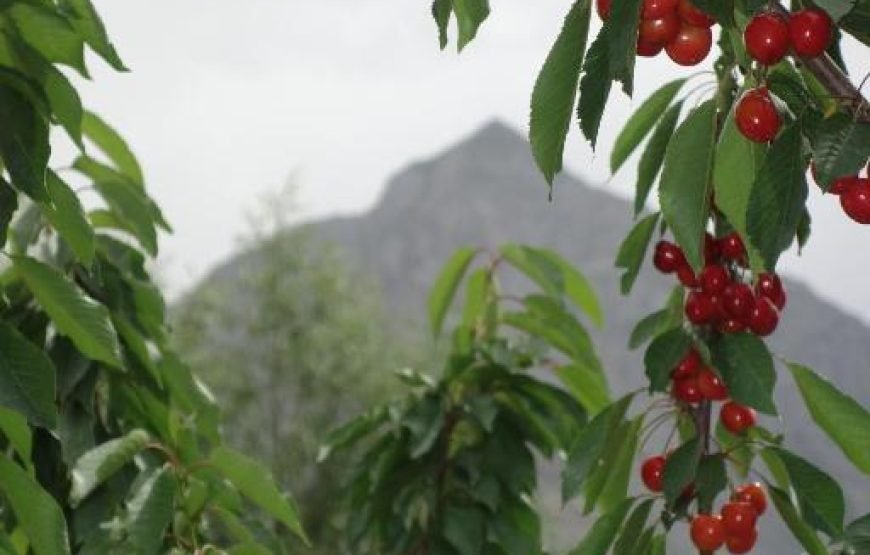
<point>227,100</point>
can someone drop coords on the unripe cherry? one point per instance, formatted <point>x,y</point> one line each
<point>739,300</point>
<point>711,386</point>
<point>736,417</point>
<point>668,257</point>
<point>688,366</point>
<point>654,9</point>
<point>757,116</point>
<point>652,472</point>
<point>693,16</point>
<point>739,518</point>
<point>699,308</point>
<point>691,45</point>
<point>767,38</point>
<point>714,279</point>
<point>769,285</point>
<point>763,318</point>
<point>742,544</point>
<point>686,390</point>
<point>707,532</point>
<point>754,494</point>
<point>810,31</point>
<point>856,201</point>
<point>661,30</point>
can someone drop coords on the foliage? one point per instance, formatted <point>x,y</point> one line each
<point>108,443</point>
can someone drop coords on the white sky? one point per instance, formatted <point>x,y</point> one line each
<point>228,99</point>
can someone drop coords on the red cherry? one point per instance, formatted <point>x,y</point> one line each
<point>763,318</point>
<point>856,201</point>
<point>843,184</point>
<point>603,8</point>
<point>810,31</point>
<point>688,366</point>
<point>661,30</point>
<point>739,300</point>
<point>707,532</point>
<point>757,117</point>
<point>687,276</point>
<point>700,309</point>
<point>752,494</point>
<point>736,418</point>
<point>654,9</point>
<point>686,390</point>
<point>714,278</point>
<point>711,249</point>
<point>693,16</point>
<point>668,257</point>
<point>742,544</point>
<point>648,49</point>
<point>731,246</point>
<point>711,387</point>
<point>651,472</point>
<point>739,518</point>
<point>767,38</point>
<point>731,325</point>
<point>769,285</point>
<point>691,45</point>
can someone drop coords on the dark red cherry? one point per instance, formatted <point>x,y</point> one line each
<point>856,201</point>
<point>731,325</point>
<point>714,278</point>
<point>843,184</point>
<point>731,246</point>
<point>686,390</point>
<point>688,366</point>
<point>767,38</point>
<point>603,9</point>
<point>687,276</point>
<point>668,257</point>
<point>691,45</point>
<point>693,16</point>
<point>739,300</point>
<point>648,49</point>
<point>654,9</point>
<point>661,30</point>
<point>764,317</point>
<point>736,418</point>
<point>769,285</point>
<point>652,471</point>
<point>711,386</point>
<point>700,309</point>
<point>810,31</point>
<point>757,116</point>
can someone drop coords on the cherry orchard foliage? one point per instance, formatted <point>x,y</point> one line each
<point>730,158</point>
<point>108,444</point>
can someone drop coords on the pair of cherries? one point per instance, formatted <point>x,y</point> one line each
<point>854,193</point>
<point>770,35</point>
<point>718,296</point>
<point>735,526</point>
<point>676,26</point>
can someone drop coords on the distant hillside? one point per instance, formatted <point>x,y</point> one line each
<point>486,191</point>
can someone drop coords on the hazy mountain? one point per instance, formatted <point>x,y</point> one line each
<point>486,191</point>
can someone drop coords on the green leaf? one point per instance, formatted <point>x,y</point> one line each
<point>711,479</point>
<point>517,528</point>
<point>795,523</point>
<point>820,496</point>
<point>840,416</point>
<point>470,14</point>
<point>594,88</point>
<point>622,42</point>
<point>836,8</point>
<point>604,531</point>
<point>464,529</point>
<point>629,542</point>
<point>722,10</point>
<point>587,384</point>
<point>841,147</point>
<point>556,91</point>
<point>113,146</point>
<point>857,535</point>
<point>49,34</point>
<point>654,154</point>
<point>67,216</point>
<point>684,191</point>
<point>633,250</point>
<point>659,321</point>
<point>681,469</point>
<point>23,143</point>
<point>351,432</point>
<point>641,123</point>
<point>83,320</point>
<point>256,483</point>
<point>149,513</point>
<point>662,356</point>
<point>424,420</point>
<point>441,11</point>
<point>102,462</point>
<point>857,22</point>
<point>778,196</point>
<point>8,207</point>
<point>747,368</point>
<point>620,471</point>
<point>13,426</point>
<point>133,209</point>
<point>477,297</point>
<point>446,285</point>
<point>85,19</point>
<point>64,100</point>
<point>27,378</point>
<point>37,513</point>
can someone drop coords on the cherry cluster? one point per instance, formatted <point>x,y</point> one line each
<point>735,526</point>
<point>768,37</point>
<point>718,295</point>
<point>854,193</point>
<point>676,26</point>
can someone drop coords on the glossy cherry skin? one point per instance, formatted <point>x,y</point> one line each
<point>603,8</point>
<point>691,45</point>
<point>699,308</point>
<point>714,279</point>
<point>763,318</point>
<point>810,31</point>
<point>742,544</point>
<point>843,184</point>
<point>707,532</point>
<point>687,276</point>
<point>668,257</point>
<point>739,518</point>
<point>736,418</point>
<point>731,247</point>
<point>753,494</point>
<point>693,16</point>
<point>769,285</point>
<point>767,38</point>
<point>739,300</point>
<point>731,325</point>
<point>651,472</point>
<point>757,116</point>
<point>686,390</point>
<point>654,9</point>
<point>648,49</point>
<point>711,386</point>
<point>856,201</point>
<point>688,366</point>
<point>661,30</point>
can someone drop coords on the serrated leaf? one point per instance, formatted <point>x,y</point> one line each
<point>603,532</point>
<point>446,285</point>
<point>49,34</point>
<point>8,207</point>
<point>24,143</point>
<point>803,533</point>
<point>622,27</point>
<point>100,463</point>
<point>27,378</point>
<point>67,216</point>
<point>470,14</point>
<point>37,513</point>
<point>594,87</point>
<point>684,190</point>
<point>256,483</point>
<point>83,320</point>
<point>681,469</point>
<point>149,513</point>
<point>841,147</point>
<point>85,19</point>
<point>839,415</point>
<point>820,496</point>
<point>633,250</point>
<point>662,356</point>
<point>555,91</point>
<point>747,368</point>
<point>778,197</point>
<point>654,154</point>
<point>113,145</point>
<point>641,122</point>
